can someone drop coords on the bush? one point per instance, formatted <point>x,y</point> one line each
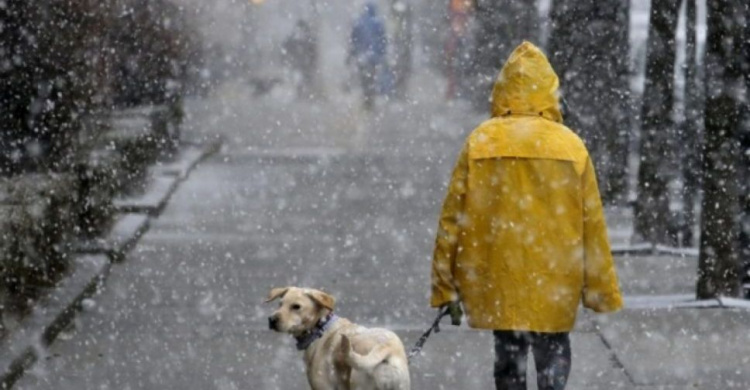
<point>64,64</point>
<point>47,80</point>
<point>37,219</point>
<point>60,60</point>
<point>155,50</point>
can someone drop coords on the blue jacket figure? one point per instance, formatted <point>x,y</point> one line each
<point>368,49</point>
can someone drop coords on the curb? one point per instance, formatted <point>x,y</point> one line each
<point>682,301</point>
<point>135,211</point>
<point>125,232</point>
<point>23,347</point>
<point>165,179</point>
<point>187,159</point>
<point>647,248</point>
<point>92,262</point>
<point>153,201</point>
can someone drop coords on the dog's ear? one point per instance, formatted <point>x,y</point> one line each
<point>276,293</point>
<point>322,299</point>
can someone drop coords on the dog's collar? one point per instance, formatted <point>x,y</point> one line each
<point>307,338</point>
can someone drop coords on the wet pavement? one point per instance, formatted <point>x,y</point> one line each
<point>326,195</point>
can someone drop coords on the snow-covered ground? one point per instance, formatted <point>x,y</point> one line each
<point>324,194</point>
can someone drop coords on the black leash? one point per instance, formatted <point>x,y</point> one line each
<point>435,326</point>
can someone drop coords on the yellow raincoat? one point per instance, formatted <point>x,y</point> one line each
<point>522,236</point>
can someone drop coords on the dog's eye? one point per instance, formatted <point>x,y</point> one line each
<point>296,307</point>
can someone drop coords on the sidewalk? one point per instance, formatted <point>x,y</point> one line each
<point>356,217</point>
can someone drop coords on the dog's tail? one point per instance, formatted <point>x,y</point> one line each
<point>369,362</point>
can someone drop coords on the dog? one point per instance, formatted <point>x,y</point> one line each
<point>338,354</point>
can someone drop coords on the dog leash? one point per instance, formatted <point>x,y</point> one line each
<point>435,327</point>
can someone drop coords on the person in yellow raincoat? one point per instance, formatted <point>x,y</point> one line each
<point>522,237</point>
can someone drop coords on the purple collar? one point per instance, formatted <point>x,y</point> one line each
<point>307,338</point>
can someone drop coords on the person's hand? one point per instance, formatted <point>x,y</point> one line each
<point>454,310</point>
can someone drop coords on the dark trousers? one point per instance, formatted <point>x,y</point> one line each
<point>368,75</point>
<point>551,355</point>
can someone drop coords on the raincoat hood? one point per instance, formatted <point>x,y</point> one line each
<point>527,85</point>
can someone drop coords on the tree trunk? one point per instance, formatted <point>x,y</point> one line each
<point>614,103</point>
<point>745,167</point>
<point>501,26</point>
<point>403,39</point>
<point>691,127</point>
<point>657,151</point>
<point>718,265</point>
<point>591,59</point>
<point>566,37</point>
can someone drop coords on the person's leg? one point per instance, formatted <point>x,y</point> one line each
<point>511,349</point>
<point>553,360</point>
<point>367,77</point>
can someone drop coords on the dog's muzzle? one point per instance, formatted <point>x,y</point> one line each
<point>273,322</point>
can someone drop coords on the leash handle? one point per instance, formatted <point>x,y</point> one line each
<point>435,326</point>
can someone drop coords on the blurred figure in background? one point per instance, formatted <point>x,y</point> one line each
<point>301,48</point>
<point>368,50</point>
<point>459,14</point>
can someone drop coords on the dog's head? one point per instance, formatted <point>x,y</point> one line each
<point>299,310</point>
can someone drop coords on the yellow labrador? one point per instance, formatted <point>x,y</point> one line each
<point>338,354</point>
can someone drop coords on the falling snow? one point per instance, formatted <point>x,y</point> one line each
<point>166,163</point>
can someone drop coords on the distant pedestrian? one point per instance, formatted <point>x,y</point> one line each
<point>368,50</point>
<point>301,48</point>
<point>522,235</point>
<point>458,45</point>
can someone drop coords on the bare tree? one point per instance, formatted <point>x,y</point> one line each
<point>718,265</point>
<point>658,135</point>
<point>501,26</point>
<point>691,128</point>
<point>588,47</point>
<point>152,54</point>
<point>745,164</point>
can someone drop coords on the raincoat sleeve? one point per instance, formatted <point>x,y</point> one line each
<point>444,289</point>
<point>601,292</point>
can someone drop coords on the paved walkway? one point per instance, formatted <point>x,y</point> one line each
<point>309,195</point>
